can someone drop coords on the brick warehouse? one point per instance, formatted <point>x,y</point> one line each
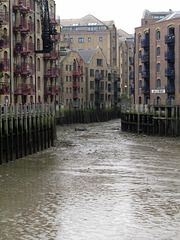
<point>26,75</point>
<point>157,60</point>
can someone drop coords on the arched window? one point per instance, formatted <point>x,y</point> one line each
<point>39,83</point>
<point>139,100</point>
<point>158,35</point>
<point>38,44</point>
<point>38,26</point>
<point>158,67</point>
<point>158,51</point>
<point>139,39</point>
<point>140,69</point>
<point>158,83</point>
<point>38,65</point>
<point>140,84</point>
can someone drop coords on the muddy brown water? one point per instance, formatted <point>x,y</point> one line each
<point>97,183</point>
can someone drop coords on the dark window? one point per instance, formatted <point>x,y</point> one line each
<point>99,62</point>
<point>91,72</point>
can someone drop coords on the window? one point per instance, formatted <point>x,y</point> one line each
<point>91,85</point>
<point>38,44</point>
<point>39,83</point>
<point>82,79</point>
<point>70,78</point>
<point>102,85</point>
<point>71,40</point>
<point>158,83</point>
<point>100,39</point>
<point>139,39</point>
<point>38,26</point>
<point>99,62</point>
<point>158,35</point>
<point>91,72</point>
<point>38,65</point>
<point>140,84</point>
<point>81,90</point>
<point>66,78</point>
<point>89,39</point>
<point>81,40</point>
<point>91,97</point>
<point>66,90</point>
<point>158,67</point>
<point>140,54</point>
<point>70,67</point>
<point>66,67</point>
<point>158,52</point>
<point>140,69</point>
<point>102,73</point>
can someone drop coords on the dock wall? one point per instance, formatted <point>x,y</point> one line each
<point>26,129</point>
<point>152,120</point>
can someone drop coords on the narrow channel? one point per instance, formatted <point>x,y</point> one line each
<point>97,183</point>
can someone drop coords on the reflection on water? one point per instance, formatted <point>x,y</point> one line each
<point>98,183</point>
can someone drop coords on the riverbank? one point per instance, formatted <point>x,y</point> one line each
<point>26,129</point>
<point>162,120</point>
<point>87,115</point>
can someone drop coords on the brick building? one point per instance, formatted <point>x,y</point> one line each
<point>157,59</point>
<point>86,79</point>
<point>27,76</point>
<point>126,64</point>
<point>90,32</point>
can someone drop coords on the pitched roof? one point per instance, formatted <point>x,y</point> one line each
<point>155,15</point>
<point>173,15</point>
<point>86,54</point>
<point>84,21</point>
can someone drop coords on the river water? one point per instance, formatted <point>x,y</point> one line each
<point>97,183</point>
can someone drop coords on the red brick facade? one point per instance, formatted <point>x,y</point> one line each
<point>157,62</point>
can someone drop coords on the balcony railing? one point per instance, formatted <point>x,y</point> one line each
<point>145,74</point>
<point>170,89</point>
<point>4,42</point>
<point>5,65</point>
<point>169,55</point>
<point>52,18</point>
<point>4,17</point>
<point>51,90</point>
<point>145,89</point>
<point>170,39</point>
<point>76,84</point>
<point>77,73</point>
<point>52,55</point>
<point>145,58</point>
<point>56,38</point>
<point>24,26</point>
<point>145,43</point>
<point>75,95</point>
<point>20,5</point>
<point>24,68</point>
<point>23,47</point>
<point>53,72</point>
<point>4,88</point>
<point>24,89</point>
<point>170,72</point>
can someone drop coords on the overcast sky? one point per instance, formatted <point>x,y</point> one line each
<point>126,14</point>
